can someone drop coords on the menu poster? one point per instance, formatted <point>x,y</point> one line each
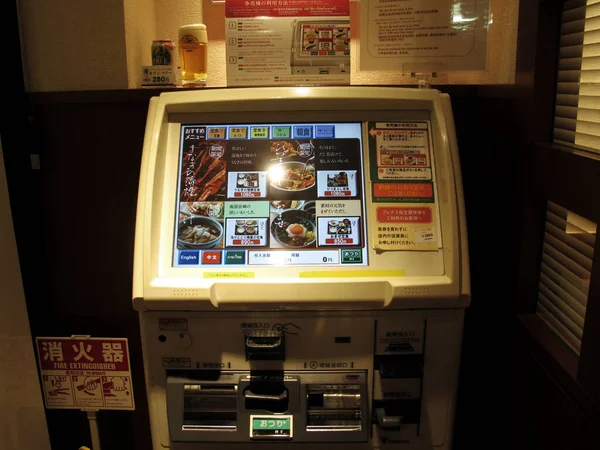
<point>424,35</point>
<point>287,42</point>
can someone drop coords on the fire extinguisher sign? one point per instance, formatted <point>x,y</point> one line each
<point>85,373</point>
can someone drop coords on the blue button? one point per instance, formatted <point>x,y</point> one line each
<point>189,257</point>
<point>324,131</point>
<point>303,132</point>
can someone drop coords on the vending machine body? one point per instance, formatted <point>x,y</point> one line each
<point>301,268</point>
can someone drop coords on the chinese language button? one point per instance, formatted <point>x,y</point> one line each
<point>211,257</point>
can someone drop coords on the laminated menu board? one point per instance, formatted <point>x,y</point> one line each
<point>287,42</point>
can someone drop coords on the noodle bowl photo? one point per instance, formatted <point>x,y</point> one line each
<point>292,176</point>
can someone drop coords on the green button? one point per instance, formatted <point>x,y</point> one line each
<point>235,257</point>
<point>351,256</point>
<point>271,423</point>
<point>281,132</point>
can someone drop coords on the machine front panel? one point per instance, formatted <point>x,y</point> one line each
<point>366,379</point>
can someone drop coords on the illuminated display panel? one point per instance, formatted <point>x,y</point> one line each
<point>270,194</point>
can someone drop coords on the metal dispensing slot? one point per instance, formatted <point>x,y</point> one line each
<point>333,408</point>
<point>209,407</point>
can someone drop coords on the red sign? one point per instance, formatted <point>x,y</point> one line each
<point>416,214</point>
<point>285,8</point>
<point>85,373</point>
<point>211,257</point>
<point>83,354</point>
<point>404,190</point>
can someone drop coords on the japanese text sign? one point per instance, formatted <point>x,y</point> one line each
<point>85,373</point>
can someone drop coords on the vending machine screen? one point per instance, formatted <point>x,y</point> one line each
<point>270,194</point>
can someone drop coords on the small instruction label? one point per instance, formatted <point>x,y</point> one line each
<point>167,324</point>
<point>177,363</point>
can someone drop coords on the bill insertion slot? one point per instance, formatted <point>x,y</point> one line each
<point>210,407</point>
<point>333,408</point>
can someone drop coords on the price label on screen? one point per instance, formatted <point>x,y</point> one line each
<point>158,76</point>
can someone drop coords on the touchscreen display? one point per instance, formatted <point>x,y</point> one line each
<point>270,194</point>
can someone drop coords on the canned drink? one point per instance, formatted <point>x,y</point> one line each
<point>162,52</point>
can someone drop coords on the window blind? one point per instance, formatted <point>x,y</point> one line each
<point>567,255</point>
<point>577,116</point>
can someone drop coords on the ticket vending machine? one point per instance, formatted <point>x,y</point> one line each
<point>301,268</point>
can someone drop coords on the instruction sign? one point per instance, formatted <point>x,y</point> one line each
<point>299,42</point>
<point>424,35</point>
<point>404,201</point>
<point>85,373</point>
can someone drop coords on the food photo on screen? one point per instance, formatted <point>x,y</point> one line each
<point>203,171</point>
<point>291,172</point>
<point>294,228</point>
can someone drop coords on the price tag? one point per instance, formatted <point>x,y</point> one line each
<point>158,76</point>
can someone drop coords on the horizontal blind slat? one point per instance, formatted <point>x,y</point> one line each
<point>559,296</point>
<point>567,88</point>
<point>589,102</point>
<point>579,283</point>
<point>588,76</point>
<point>567,337</point>
<point>565,285</point>
<point>568,112</point>
<point>572,51</point>
<point>565,124</point>
<point>570,63</point>
<point>585,63</point>
<point>572,242</point>
<point>592,143</point>
<point>586,50</point>
<point>569,76</point>
<point>572,4</point>
<point>588,115</point>
<point>562,317</point>
<point>574,14</point>
<point>570,228</point>
<point>589,37</point>
<point>570,39</point>
<point>592,10</point>
<point>587,128</point>
<point>568,251</point>
<point>592,24</point>
<point>567,100</point>
<point>578,270</point>
<point>572,26</point>
<point>557,210</point>
<point>564,136</point>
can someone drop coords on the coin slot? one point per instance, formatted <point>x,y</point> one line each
<point>343,339</point>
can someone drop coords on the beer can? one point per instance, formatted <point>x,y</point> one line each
<point>162,53</point>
